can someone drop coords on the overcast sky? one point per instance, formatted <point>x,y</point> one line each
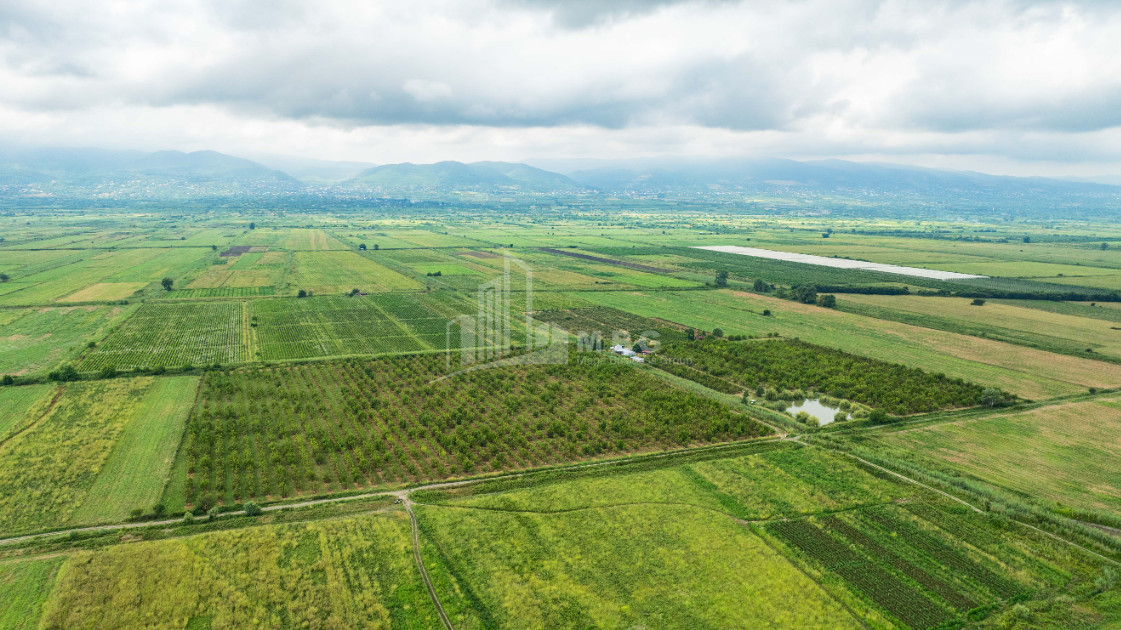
<point>1005,86</point>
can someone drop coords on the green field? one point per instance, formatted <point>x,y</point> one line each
<point>887,552</point>
<point>35,341</point>
<point>339,272</point>
<point>352,573</point>
<point>15,402</point>
<point>681,567</point>
<point>136,471</point>
<point>1054,453</point>
<point>1026,372</point>
<point>1017,324</point>
<point>323,427</point>
<point>173,335</point>
<point>25,586</point>
<point>51,468</point>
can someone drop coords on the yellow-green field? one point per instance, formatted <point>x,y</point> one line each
<point>1063,453</point>
<point>50,465</point>
<point>1026,372</point>
<point>1081,332</point>
<point>339,272</point>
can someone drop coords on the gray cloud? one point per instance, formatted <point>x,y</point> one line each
<point>890,75</point>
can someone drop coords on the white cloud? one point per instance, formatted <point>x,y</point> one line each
<point>1022,84</point>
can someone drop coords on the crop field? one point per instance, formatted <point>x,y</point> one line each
<point>104,292</point>
<point>1014,324</point>
<point>14,405</point>
<point>315,428</point>
<point>311,240</point>
<point>1055,453</point>
<point>344,326</point>
<point>49,466</point>
<point>783,365</point>
<point>36,340</point>
<point>173,335</point>
<point>888,552</point>
<point>1025,372</point>
<point>25,586</point>
<point>680,567</point>
<point>608,321</point>
<point>250,270</point>
<point>101,275</point>
<point>339,272</point>
<point>350,573</point>
<point>137,469</point>
<point>903,560</point>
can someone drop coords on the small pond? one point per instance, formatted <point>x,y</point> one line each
<point>813,406</point>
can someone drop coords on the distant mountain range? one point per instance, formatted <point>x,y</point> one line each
<point>77,173</point>
<point>67,170</point>
<point>715,175</point>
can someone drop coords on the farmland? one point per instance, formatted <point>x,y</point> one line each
<point>339,272</point>
<point>51,465</point>
<point>35,340</point>
<point>784,365</point>
<point>593,492</point>
<point>1025,372</point>
<point>173,335</point>
<point>887,552</point>
<point>1053,453</point>
<point>354,573</point>
<point>316,428</point>
<point>25,586</point>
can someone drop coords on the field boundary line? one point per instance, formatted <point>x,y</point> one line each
<point>969,505</point>
<point>420,564</point>
<point>796,562</point>
<point>31,425</point>
<point>899,475</point>
<point>1069,542</point>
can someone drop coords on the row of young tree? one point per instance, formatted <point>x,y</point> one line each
<point>790,364</point>
<point>315,428</point>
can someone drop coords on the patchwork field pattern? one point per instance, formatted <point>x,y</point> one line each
<point>1055,453</point>
<point>172,335</point>
<point>315,428</point>
<point>36,340</point>
<point>351,573</point>
<point>1026,372</point>
<point>49,466</point>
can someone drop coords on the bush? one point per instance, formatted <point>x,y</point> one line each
<point>8,379</point>
<point>188,518</point>
<point>977,302</point>
<point>212,513</point>
<point>159,510</point>
<point>252,509</point>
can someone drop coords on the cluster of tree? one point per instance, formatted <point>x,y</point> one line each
<point>864,289</point>
<point>1000,294</point>
<point>796,365</point>
<point>334,426</point>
